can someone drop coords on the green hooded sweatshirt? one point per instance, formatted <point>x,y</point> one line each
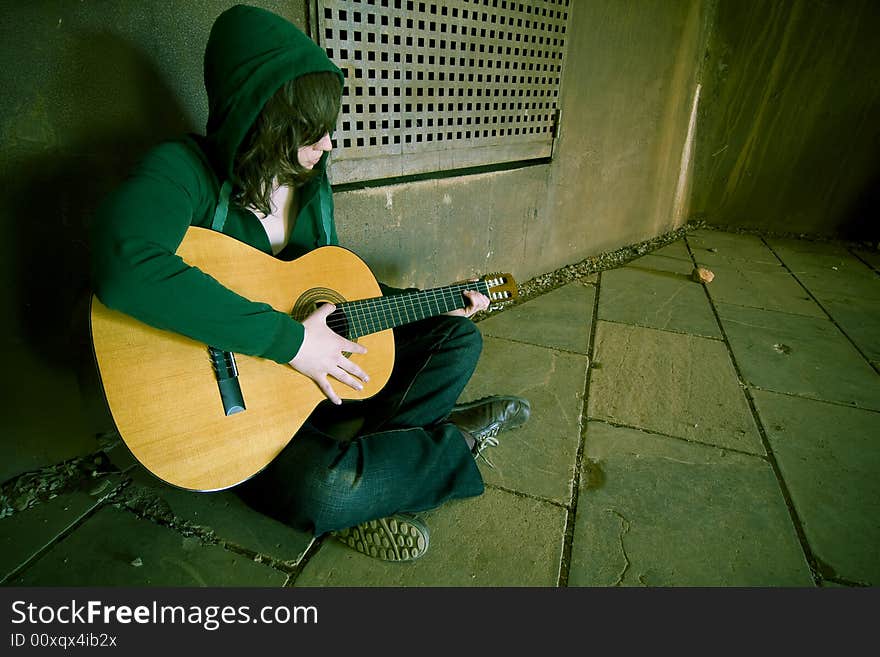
<point>251,52</point>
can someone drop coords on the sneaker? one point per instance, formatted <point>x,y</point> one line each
<point>400,537</point>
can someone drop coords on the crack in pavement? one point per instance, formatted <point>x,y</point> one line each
<point>625,526</point>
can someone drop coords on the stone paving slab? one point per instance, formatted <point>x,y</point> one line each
<point>677,250</point>
<point>830,463</point>
<point>870,257</point>
<point>497,539</point>
<point>560,319</point>
<point>228,517</point>
<point>27,532</point>
<point>657,299</point>
<point>847,278</point>
<point>806,253</point>
<point>655,511</point>
<point>770,287</point>
<point>714,247</point>
<point>675,384</point>
<point>807,246</point>
<point>859,319</point>
<point>849,291</point>
<point>538,458</point>
<point>116,548</point>
<point>662,263</point>
<point>799,355</point>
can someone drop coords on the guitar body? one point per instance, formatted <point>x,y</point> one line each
<point>161,388</point>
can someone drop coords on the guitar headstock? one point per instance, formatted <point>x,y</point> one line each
<point>502,289</point>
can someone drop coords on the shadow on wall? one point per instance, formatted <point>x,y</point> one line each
<point>110,106</point>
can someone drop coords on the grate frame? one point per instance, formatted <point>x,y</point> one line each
<point>442,85</point>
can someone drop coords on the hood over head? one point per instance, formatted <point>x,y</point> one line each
<point>251,52</point>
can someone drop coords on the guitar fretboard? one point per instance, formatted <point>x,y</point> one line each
<point>366,316</point>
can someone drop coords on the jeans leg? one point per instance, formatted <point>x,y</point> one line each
<point>435,359</point>
<point>318,483</point>
<point>406,458</point>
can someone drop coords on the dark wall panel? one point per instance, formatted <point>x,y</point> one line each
<point>789,129</point>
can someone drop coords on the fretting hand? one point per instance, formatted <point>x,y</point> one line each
<point>476,302</point>
<point>320,355</point>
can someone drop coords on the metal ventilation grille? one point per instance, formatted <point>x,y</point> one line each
<point>434,86</point>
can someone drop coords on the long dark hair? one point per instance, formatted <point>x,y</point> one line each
<point>298,114</point>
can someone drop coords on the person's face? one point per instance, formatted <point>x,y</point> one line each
<point>309,156</point>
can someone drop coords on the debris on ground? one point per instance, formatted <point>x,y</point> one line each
<point>32,488</point>
<point>702,275</point>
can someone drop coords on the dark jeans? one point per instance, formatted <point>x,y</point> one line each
<point>404,458</point>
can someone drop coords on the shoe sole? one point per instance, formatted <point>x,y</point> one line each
<point>389,539</point>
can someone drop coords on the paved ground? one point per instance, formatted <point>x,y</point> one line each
<point>682,434</point>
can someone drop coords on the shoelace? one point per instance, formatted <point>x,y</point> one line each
<point>488,439</point>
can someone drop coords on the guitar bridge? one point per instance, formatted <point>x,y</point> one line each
<point>226,372</point>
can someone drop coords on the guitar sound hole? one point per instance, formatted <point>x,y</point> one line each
<point>338,322</point>
<point>311,299</point>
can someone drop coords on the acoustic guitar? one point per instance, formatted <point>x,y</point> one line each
<point>204,419</point>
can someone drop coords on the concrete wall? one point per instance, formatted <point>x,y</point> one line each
<point>629,81</point>
<point>789,128</point>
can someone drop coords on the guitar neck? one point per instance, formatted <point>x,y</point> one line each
<point>366,316</point>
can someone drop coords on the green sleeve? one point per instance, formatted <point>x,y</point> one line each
<point>135,234</point>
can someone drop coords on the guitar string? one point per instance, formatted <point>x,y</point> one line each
<point>384,307</point>
<point>363,313</point>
